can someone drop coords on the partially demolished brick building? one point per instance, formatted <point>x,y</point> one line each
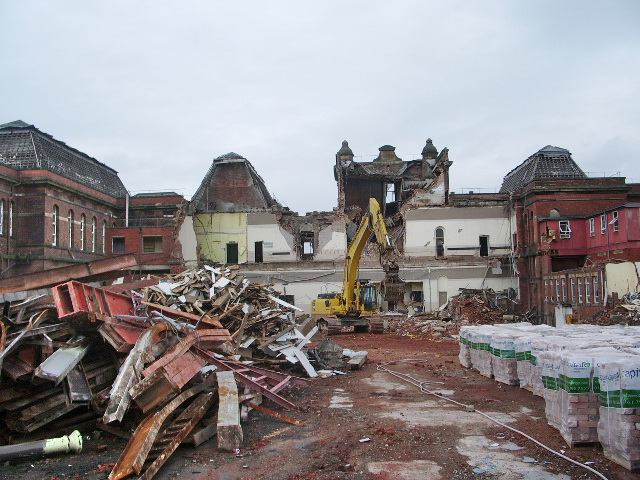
<point>562,241</point>
<point>446,242</point>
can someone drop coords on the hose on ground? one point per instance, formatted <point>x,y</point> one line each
<point>421,385</point>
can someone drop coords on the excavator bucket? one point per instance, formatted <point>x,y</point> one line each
<point>392,286</point>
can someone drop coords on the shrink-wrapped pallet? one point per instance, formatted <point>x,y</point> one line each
<point>619,424</point>
<point>503,357</point>
<point>465,347</point>
<point>482,358</point>
<point>579,405</point>
<point>550,363</point>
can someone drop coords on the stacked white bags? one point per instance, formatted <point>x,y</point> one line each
<point>619,424</point>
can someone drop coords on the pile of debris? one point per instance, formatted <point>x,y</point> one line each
<point>482,307</point>
<point>153,354</point>
<point>425,325</point>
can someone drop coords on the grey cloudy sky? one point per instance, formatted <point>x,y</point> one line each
<point>156,90</point>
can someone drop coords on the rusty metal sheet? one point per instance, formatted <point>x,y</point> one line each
<point>120,398</point>
<point>198,337</point>
<point>273,413</point>
<point>57,366</point>
<point>178,431</point>
<point>55,276</point>
<point>262,381</point>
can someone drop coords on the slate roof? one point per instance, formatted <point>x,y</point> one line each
<point>547,163</point>
<point>24,147</point>
<point>231,185</point>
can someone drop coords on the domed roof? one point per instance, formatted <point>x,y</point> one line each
<point>429,148</point>
<point>345,150</point>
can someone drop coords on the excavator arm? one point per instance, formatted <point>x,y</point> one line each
<point>392,286</point>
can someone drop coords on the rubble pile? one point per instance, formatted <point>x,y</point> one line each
<point>481,307</point>
<point>176,356</point>
<point>587,374</point>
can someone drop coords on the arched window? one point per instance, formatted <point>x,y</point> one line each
<point>554,213</point>
<point>439,242</point>
<point>104,236</point>
<point>83,235</point>
<point>71,228</point>
<point>93,234</point>
<point>55,219</point>
<point>11,210</point>
<point>2,217</point>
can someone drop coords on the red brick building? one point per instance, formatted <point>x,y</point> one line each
<point>568,227</point>
<point>58,205</point>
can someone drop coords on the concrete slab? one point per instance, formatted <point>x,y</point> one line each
<point>414,470</point>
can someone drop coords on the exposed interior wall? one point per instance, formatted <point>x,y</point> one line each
<point>621,278</point>
<point>215,230</point>
<point>332,241</point>
<point>189,242</point>
<point>278,245</point>
<point>462,228</point>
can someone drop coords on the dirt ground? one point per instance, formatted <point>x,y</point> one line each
<point>369,424</point>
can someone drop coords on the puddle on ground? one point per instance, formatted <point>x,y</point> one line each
<point>503,461</point>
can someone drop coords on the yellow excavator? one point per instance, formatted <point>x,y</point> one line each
<point>357,305</point>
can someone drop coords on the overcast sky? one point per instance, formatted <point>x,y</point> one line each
<point>156,90</point>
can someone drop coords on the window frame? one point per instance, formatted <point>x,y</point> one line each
<point>592,227</point>
<point>71,221</point>
<point>566,231</point>
<point>83,233</point>
<point>94,236</point>
<point>615,221</point>
<point>603,224</point>
<point>55,220</point>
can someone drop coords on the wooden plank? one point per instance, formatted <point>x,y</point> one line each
<point>229,429</point>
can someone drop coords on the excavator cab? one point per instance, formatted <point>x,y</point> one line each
<point>368,298</point>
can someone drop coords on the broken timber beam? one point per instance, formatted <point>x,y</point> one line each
<point>229,429</point>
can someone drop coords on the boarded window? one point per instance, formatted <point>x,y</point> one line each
<point>152,244</point>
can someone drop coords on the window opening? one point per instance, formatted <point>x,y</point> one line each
<point>93,234</point>
<point>118,245</point>
<point>11,210</point>
<point>232,253</point>
<point>603,224</point>
<point>54,232</point>
<point>580,298</point>
<point>439,242</point>
<point>614,221</point>
<point>104,236</point>
<point>259,252</point>
<point>83,233</point>
<point>592,227</point>
<point>565,229</point>
<point>71,229</point>
<point>484,245</point>
<point>152,244</point>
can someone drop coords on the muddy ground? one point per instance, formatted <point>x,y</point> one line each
<point>369,424</point>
